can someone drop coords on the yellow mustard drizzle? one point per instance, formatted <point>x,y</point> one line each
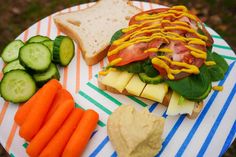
<point>196,41</point>
<point>187,67</point>
<point>186,29</point>
<point>217,88</point>
<point>209,63</point>
<point>163,65</point>
<point>196,52</point>
<point>132,42</point>
<point>165,50</point>
<point>105,72</point>
<point>154,25</point>
<point>151,50</point>
<point>115,61</point>
<point>180,7</point>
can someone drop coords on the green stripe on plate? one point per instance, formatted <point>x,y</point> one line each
<point>25,145</point>
<point>222,47</point>
<point>83,94</point>
<point>137,101</point>
<point>216,36</point>
<point>100,123</point>
<point>11,155</point>
<point>228,57</point>
<point>104,94</point>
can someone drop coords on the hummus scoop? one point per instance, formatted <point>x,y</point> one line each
<point>135,133</point>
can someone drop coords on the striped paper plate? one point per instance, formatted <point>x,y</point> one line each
<point>208,135</point>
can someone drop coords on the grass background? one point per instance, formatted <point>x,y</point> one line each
<point>16,16</point>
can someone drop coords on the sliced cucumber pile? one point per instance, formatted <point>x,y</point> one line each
<point>11,51</point>
<point>63,50</point>
<point>38,38</point>
<point>17,86</point>
<point>35,56</point>
<point>42,78</point>
<point>49,44</point>
<point>32,64</point>
<point>14,65</point>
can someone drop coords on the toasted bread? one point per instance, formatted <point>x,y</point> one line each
<point>92,28</point>
<point>196,110</point>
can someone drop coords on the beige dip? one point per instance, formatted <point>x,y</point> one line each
<point>135,133</point>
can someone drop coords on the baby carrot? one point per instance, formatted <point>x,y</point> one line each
<point>57,144</point>
<point>24,109</point>
<point>38,112</point>
<point>81,135</point>
<point>50,128</point>
<point>62,95</point>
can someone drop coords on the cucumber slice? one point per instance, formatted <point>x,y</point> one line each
<point>63,50</point>
<point>17,86</point>
<point>11,51</point>
<point>49,44</point>
<point>14,65</point>
<point>38,38</point>
<point>42,78</point>
<point>35,56</point>
<point>150,80</point>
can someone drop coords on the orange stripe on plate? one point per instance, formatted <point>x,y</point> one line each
<point>3,112</point>
<point>38,28</point>
<point>78,71</point>
<point>101,64</point>
<point>49,25</point>
<point>65,77</point>
<point>78,65</point>
<point>11,136</point>
<point>90,74</point>
<point>26,33</point>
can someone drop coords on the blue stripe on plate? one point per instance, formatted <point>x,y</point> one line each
<point>164,114</point>
<point>217,122</point>
<point>171,134</point>
<point>152,107</point>
<point>202,115</point>
<point>229,139</point>
<point>93,134</point>
<point>114,154</point>
<point>100,146</point>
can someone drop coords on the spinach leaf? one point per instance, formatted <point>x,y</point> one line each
<point>134,67</point>
<point>193,87</point>
<point>217,71</point>
<point>116,36</point>
<point>149,69</point>
<point>220,61</point>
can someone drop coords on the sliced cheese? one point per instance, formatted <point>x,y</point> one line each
<point>155,92</point>
<point>122,80</point>
<point>111,78</point>
<point>135,86</point>
<point>184,108</point>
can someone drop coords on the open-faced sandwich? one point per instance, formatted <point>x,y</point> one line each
<point>164,55</point>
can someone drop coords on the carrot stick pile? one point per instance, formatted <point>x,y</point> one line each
<point>52,124</point>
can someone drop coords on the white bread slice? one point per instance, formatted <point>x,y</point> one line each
<point>196,110</point>
<point>92,28</point>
